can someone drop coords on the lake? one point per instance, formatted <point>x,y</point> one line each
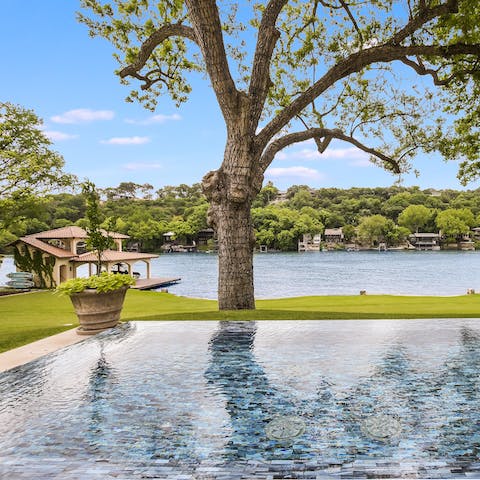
<point>323,273</point>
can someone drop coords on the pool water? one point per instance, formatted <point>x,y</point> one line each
<point>207,400</point>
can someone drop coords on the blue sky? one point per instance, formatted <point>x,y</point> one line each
<point>51,65</point>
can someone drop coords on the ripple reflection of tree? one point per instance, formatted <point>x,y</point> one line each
<point>21,390</point>
<point>395,389</point>
<point>251,401</point>
<point>458,386</point>
<point>98,397</point>
<point>125,418</point>
<point>438,409</point>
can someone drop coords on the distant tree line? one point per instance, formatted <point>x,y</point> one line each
<point>366,215</point>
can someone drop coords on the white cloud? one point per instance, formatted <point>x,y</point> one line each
<point>281,155</point>
<point>142,166</point>
<point>58,136</point>
<point>308,154</point>
<point>126,141</point>
<point>361,162</point>
<point>82,115</point>
<point>345,153</point>
<point>294,172</point>
<point>160,118</point>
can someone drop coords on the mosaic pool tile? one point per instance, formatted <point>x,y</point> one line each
<point>264,400</point>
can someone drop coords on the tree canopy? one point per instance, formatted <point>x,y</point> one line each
<point>415,217</point>
<point>338,69</point>
<point>27,162</point>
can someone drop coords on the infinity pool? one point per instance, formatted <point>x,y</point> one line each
<point>232,400</point>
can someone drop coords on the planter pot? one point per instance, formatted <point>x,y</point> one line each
<point>97,311</point>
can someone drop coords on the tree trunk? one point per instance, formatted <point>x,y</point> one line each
<point>230,191</point>
<point>235,256</point>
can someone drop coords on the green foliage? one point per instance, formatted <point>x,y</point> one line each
<point>375,229</point>
<point>37,263</point>
<point>97,239</point>
<point>183,209</point>
<point>414,217</point>
<point>348,232</point>
<point>455,222</point>
<point>27,162</point>
<point>126,24</point>
<point>340,66</point>
<point>105,282</point>
<point>266,195</point>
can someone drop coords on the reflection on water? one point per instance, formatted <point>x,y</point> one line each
<point>250,400</point>
<point>232,395</point>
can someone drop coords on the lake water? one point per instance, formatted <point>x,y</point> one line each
<point>323,273</point>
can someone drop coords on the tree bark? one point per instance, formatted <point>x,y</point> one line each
<point>230,191</point>
<point>235,256</point>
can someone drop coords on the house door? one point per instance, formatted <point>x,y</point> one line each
<point>63,273</point>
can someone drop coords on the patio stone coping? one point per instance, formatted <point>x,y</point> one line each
<point>32,351</point>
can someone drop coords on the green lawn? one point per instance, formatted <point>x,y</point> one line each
<point>29,317</point>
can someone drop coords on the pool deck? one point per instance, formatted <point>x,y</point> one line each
<point>32,351</point>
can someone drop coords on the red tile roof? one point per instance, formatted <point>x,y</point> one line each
<point>45,247</point>
<point>113,256</point>
<point>73,232</point>
<point>36,240</point>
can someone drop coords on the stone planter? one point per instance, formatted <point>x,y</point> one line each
<point>98,311</point>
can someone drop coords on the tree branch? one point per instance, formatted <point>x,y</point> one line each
<point>422,70</point>
<point>423,17</point>
<point>352,19</point>
<point>327,135</point>
<point>355,63</point>
<point>378,119</point>
<point>267,39</point>
<point>206,24</point>
<point>329,5</point>
<point>152,42</point>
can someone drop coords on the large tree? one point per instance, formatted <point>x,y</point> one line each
<point>360,72</point>
<point>27,162</point>
<point>415,217</point>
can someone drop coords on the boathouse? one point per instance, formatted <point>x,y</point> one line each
<point>333,235</point>
<point>425,241</point>
<point>62,251</point>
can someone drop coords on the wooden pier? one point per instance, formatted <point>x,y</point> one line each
<point>151,283</point>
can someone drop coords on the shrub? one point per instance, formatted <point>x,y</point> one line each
<point>106,282</point>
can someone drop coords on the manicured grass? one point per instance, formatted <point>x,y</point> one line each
<point>29,317</point>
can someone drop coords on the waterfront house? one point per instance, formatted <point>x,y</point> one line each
<point>63,250</point>
<point>280,198</point>
<point>168,237</point>
<point>204,236</point>
<point>309,243</point>
<point>333,235</point>
<point>425,241</point>
<point>465,242</point>
<point>476,233</point>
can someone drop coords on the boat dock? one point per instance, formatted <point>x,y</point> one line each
<point>151,283</point>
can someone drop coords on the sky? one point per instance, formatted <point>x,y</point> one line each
<point>51,65</point>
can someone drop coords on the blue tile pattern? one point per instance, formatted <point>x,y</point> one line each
<point>266,400</point>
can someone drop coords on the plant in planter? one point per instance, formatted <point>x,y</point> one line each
<point>96,240</point>
<point>97,300</point>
